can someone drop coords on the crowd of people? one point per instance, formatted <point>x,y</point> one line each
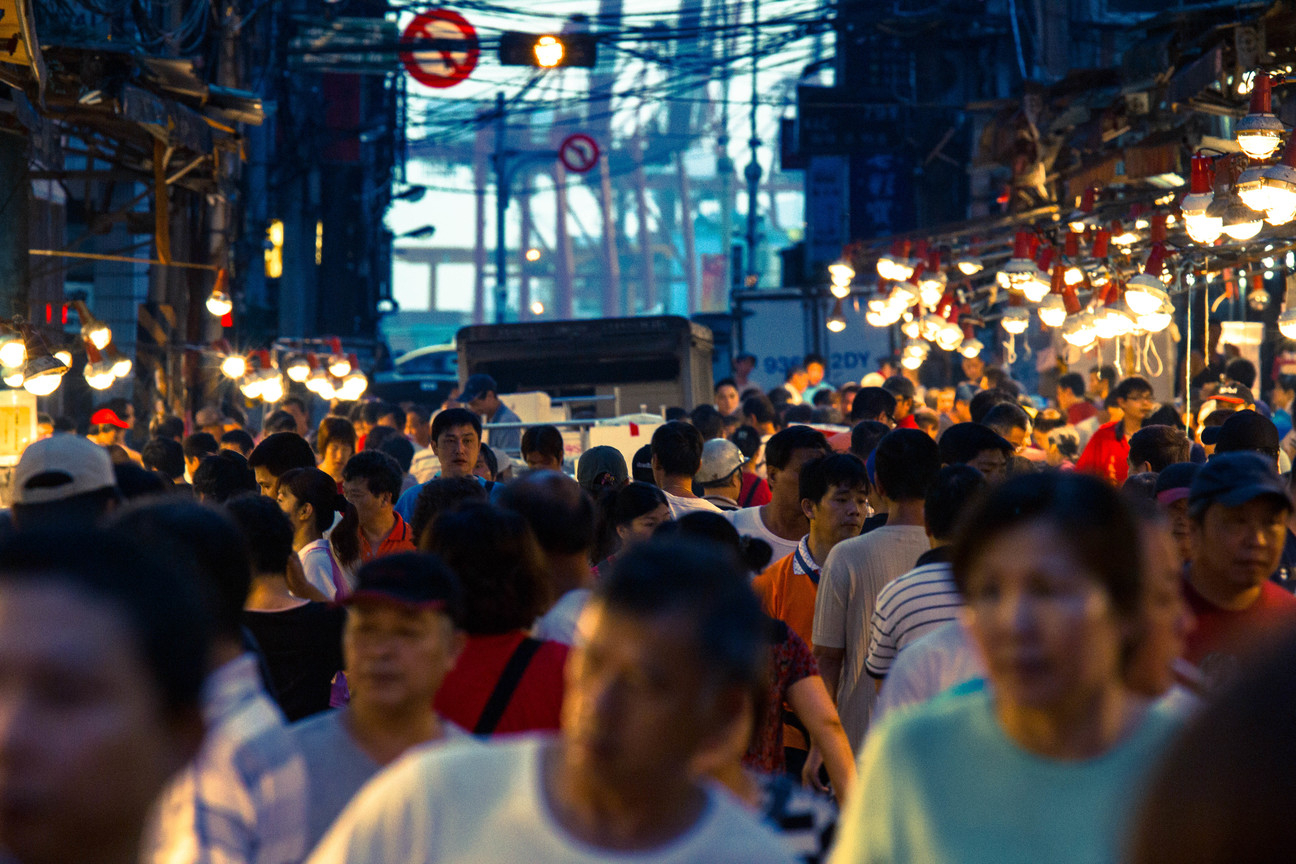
<point>874,622</point>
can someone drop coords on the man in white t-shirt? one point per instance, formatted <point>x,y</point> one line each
<point>676,458</point>
<point>782,523</point>
<point>402,637</point>
<point>907,462</point>
<point>670,648</point>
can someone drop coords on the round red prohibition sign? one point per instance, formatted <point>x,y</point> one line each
<point>446,64</point>
<point>578,152</point>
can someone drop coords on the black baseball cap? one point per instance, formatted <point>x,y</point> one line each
<point>1233,479</point>
<point>641,465</point>
<point>1231,391</point>
<point>1247,430</point>
<point>476,385</point>
<point>416,579</point>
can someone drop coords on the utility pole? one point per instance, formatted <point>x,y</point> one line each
<point>753,171</point>
<point>501,207</point>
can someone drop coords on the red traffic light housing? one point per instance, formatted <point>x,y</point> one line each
<point>548,50</point>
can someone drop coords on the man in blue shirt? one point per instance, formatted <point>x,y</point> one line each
<point>480,394</point>
<point>456,441</point>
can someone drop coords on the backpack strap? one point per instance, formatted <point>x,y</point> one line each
<point>508,682</point>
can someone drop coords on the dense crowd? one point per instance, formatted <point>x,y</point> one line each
<point>876,622</point>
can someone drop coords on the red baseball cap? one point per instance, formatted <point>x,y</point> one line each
<point>108,417</point>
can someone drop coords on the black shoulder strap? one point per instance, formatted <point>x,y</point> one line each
<point>506,685</point>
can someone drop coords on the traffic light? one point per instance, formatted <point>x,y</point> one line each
<point>548,50</point>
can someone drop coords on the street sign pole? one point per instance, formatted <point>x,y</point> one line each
<point>501,207</point>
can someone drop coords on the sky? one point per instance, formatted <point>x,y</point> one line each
<point>649,77</point>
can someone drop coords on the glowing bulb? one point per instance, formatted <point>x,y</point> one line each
<point>1015,320</point>
<point>43,384</point>
<point>533,254</point>
<point>1080,330</point>
<point>251,386</point>
<point>122,366</point>
<point>836,324</point>
<point>971,348</point>
<point>1203,228</point>
<point>272,388</point>
<point>969,265</point>
<point>13,377</point>
<point>218,304</point>
<point>1037,288</point>
<point>13,353</point>
<point>1286,326</point>
<point>97,334</point>
<point>298,369</point>
<point>537,308</point>
<point>949,337</point>
<point>339,365</point>
<point>548,51</point>
<point>99,375</point>
<point>64,356</point>
<point>838,291</point>
<point>841,273</point>
<point>1073,275</point>
<point>931,288</point>
<point>1144,294</point>
<point>1157,321</point>
<point>911,363</point>
<point>353,386</point>
<point>1052,310</point>
<point>234,366</point>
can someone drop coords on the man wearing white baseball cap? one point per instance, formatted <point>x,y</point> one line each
<point>721,473</point>
<point>61,479</point>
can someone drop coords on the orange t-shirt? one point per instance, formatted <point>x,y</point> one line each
<point>399,539</point>
<point>788,596</point>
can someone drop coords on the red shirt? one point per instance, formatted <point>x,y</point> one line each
<point>399,539</point>
<point>1080,412</point>
<point>537,701</point>
<point>1222,635</point>
<point>790,662</point>
<point>908,422</point>
<point>1107,453</point>
<point>755,491</point>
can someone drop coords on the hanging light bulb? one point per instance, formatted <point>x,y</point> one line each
<point>1072,275</point>
<point>1019,269</point>
<point>1202,226</point>
<point>1036,288</point>
<point>931,284</point>
<point>1260,133</point>
<point>1015,320</point>
<point>354,386</point>
<point>1280,181</point>
<point>1123,237</point>
<point>92,329</point>
<point>233,366</point>
<point>969,264</point>
<point>98,371</point>
<point>272,387</point>
<point>319,383</point>
<point>42,373</point>
<point>338,364</point>
<point>971,347</point>
<point>1144,293</point>
<point>64,356</point>
<point>218,302</point>
<point>298,368</point>
<point>886,265</point>
<point>121,364</point>
<point>912,328</point>
<point>1286,324</point>
<point>1157,321</point>
<point>251,386</point>
<point>950,336</point>
<point>1052,310</point>
<point>1240,221</point>
<point>1079,330</point>
<point>13,377</point>
<point>841,273</point>
<point>904,295</point>
<point>836,322</point>
<point>1252,190</point>
<point>13,353</point>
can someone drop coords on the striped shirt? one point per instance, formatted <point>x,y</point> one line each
<point>911,605</point>
<point>243,798</point>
